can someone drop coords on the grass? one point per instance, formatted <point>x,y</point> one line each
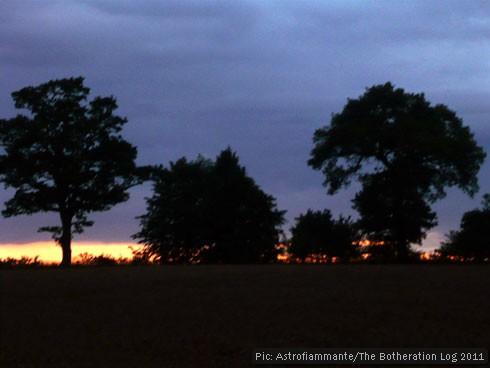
<point>213,316</point>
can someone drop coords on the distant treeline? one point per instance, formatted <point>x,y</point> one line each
<point>365,255</point>
<point>68,156</point>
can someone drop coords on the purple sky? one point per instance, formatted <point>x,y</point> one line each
<point>196,76</point>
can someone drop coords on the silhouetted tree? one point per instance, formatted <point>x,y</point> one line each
<point>66,156</point>
<point>244,219</point>
<point>210,212</point>
<point>404,152</point>
<point>317,232</point>
<point>176,225</point>
<point>472,240</point>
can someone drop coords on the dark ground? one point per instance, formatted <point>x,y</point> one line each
<point>214,316</point>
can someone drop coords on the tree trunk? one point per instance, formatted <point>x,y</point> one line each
<point>65,239</point>
<point>402,246</point>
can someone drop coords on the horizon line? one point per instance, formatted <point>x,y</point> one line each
<point>49,251</point>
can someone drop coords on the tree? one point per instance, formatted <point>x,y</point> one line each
<point>67,156</point>
<point>175,227</point>
<point>244,219</point>
<point>209,212</point>
<point>405,153</point>
<point>317,232</point>
<point>472,240</point>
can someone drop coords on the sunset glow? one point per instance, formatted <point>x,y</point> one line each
<point>283,255</point>
<point>50,252</point>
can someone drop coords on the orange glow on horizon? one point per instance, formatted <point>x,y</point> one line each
<point>368,243</point>
<point>48,251</point>
<point>283,257</point>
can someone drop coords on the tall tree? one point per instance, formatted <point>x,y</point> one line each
<point>244,219</point>
<point>405,153</point>
<point>65,156</point>
<point>209,212</point>
<point>471,240</point>
<point>317,232</point>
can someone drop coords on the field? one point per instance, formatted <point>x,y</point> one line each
<point>213,316</point>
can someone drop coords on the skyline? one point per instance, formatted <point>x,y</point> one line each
<point>195,77</point>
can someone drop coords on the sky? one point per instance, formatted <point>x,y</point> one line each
<point>193,77</point>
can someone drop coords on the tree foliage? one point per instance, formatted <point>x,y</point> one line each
<point>405,153</point>
<point>471,241</point>
<point>173,227</point>
<point>65,156</point>
<point>317,232</point>
<point>205,211</point>
<point>390,212</point>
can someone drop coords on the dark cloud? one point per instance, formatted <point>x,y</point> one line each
<point>196,76</point>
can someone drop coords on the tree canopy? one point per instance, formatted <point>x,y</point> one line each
<point>205,211</point>
<point>173,229</point>
<point>65,156</point>
<point>317,232</point>
<point>405,153</point>
<point>471,241</point>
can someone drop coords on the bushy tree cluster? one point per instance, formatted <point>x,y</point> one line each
<point>205,211</point>
<point>471,241</point>
<point>317,232</point>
